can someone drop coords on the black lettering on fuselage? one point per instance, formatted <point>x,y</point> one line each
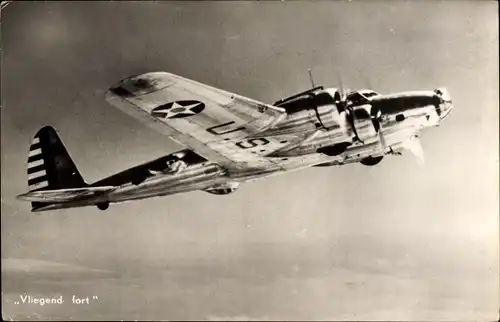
<point>225,130</point>
<point>252,143</point>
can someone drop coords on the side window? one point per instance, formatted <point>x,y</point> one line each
<point>397,106</point>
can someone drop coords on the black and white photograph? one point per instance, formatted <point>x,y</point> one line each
<point>250,160</point>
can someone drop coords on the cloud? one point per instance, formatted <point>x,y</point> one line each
<point>35,265</point>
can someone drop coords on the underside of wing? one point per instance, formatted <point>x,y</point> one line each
<point>63,195</point>
<point>206,119</point>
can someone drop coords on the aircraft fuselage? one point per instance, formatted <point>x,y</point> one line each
<point>320,127</point>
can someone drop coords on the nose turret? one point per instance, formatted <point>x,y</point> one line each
<point>444,104</point>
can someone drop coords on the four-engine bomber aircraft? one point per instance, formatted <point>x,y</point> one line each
<point>230,139</point>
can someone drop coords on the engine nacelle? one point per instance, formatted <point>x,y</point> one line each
<point>223,189</point>
<point>328,109</point>
<point>371,161</point>
<point>362,123</point>
<point>334,150</point>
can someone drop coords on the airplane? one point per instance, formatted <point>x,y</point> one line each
<point>230,139</point>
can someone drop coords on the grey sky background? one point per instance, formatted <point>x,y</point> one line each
<point>395,241</point>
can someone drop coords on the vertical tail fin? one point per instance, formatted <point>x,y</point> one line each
<point>49,165</point>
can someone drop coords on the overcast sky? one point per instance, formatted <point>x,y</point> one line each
<point>395,241</point>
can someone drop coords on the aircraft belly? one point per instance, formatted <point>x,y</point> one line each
<point>196,178</point>
<point>306,161</point>
<point>189,179</point>
<point>286,165</point>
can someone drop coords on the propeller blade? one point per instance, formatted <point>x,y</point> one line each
<point>365,78</point>
<point>382,141</point>
<point>343,93</point>
<point>415,147</point>
<point>376,117</point>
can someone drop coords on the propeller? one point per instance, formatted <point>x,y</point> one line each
<point>415,147</point>
<point>343,92</point>
<point>376,116</point>
<point>382,141</point>
<point>364,77</point>
<point>342,103</point>
<point>375,113</point>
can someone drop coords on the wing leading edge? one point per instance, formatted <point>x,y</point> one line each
<point>210,121</point>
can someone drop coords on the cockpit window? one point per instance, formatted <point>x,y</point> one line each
<point>369,93</point>
<point>356,98</point>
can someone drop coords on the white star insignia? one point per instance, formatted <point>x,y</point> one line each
<point>176,109</point>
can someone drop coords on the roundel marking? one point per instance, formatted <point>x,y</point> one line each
<point>178,109</point>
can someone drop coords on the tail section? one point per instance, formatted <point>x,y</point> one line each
<point>49,165</point>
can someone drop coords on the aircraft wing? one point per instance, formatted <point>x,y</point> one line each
<point>63,195</point>
<point>214,123</point>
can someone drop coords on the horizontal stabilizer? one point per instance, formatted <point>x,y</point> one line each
<point>63,195</point>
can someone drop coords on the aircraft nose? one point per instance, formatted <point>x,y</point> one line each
<point>444,105</point>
